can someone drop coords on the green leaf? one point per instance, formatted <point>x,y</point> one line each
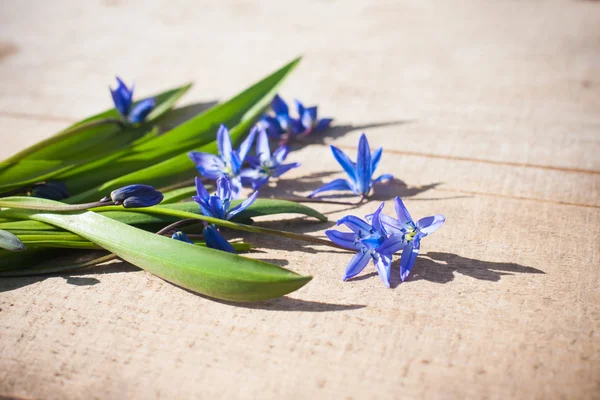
<point>260,207</point>
<point>177,195</point>
<point>53,263</point>
<point>163,161</point>
<point>210,272</point>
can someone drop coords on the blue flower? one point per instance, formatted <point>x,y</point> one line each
<point>215,240</point>
<point>406,234</point>
<point>266,165</point>
<point>123,99</point>
<point>282,126</point>
<point>181,237</point>
<point>360,173</point>
<point>285,128</point>
<point>217,205</point>
<point>309,120</point>
<point>228,162</point>
<point>368,239</point>
<point>135,196</point>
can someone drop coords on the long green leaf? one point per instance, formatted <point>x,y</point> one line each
<point>211,272</point>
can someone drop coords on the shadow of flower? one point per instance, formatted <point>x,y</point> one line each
<point>440,268</point>
<point>336,131</point>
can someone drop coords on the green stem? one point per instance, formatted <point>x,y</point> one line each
<point>65,208</point>
<point>176,224</point>
<point>236,226</point>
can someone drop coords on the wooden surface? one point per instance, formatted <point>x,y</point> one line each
<point>489,112</point>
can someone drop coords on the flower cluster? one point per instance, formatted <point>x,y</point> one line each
<point>283,127</point>
<point>377,238</point>
<point>381,236</point>
<point>229,162</point>
<point>123,99</point>
<point>266,165</point>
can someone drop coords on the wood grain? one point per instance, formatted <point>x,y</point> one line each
<point>489,113</point>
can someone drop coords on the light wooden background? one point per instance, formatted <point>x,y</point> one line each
<point>489,112</point>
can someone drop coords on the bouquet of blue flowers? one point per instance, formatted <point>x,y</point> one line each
<point>119,186</point>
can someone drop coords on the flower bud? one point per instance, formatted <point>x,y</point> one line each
<point>136,196</point>
<point>181,237</point>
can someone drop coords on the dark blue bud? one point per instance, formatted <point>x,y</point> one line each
<point>141,110</point>
<point>136,196</point>
<point>215,240</point>
<point>51,190</point>
<point>181,237</point>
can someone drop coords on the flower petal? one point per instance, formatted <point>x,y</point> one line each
<point>201,190</point>
<point>272,126</point>
<point>209,165</point>
<point>223,188</point>
<point>141,110</point>
<point>215,240</point>
<point>375,158</point>
<point>391,225</point>
<point>204,206</point>
<point>224,144</point>
<point>279,106</point>
<point>216,206</point>
<point>356,225</point>
<point>363,166</point>
<point>254,178</point>
<point>345,161</point>
<point>119,103</point>
<point>295,126</point>
<point>309,118</point>
<point>402,213</point>
<point>392,244</point>
<point>181,237</point>
<point>356,264</point>
<point>323,124</point>
<point>336,184</point>
<point>236,186</point>
<point>282,169</point>
<point>376,221</point>
<point>344,239</point>
<point>299,107</point>
<point>253,161</point>
<point>125,92</point>
<point>242,206</point>
<point>247,143</point>
<point>383,266</point>
<point>384,177</point>
<point>263,151</point>
<point>281,153</point>
<point>407,261</point>
<point>430,224</point>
